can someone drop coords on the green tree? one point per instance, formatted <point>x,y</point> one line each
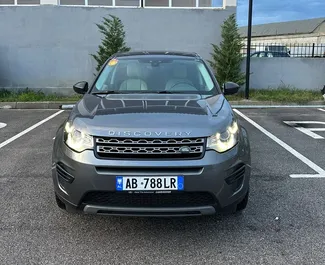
<point>114,40</point>
<point>226,58</point>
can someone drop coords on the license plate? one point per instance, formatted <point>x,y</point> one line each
<point>149,183</point>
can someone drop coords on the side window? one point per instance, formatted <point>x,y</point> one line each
<point>269,54</point>
<point>255,55</point>
<point>104,76</point>
<point>206,76</point>
<point>201,81</point>
<point>262,54</point>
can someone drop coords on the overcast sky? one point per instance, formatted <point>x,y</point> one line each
<point>268,11</point>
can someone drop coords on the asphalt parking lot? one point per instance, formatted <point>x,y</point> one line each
<point>283,224</point>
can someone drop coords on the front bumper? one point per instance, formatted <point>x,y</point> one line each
<point>211,184</point>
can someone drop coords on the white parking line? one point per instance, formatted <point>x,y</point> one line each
<point>275,106</point>
<point>304,159</point>
<point>2,125</point>
<point>29,129</point>
<point>308,131</point>
<point>307,176</point>
<point>322,110</point>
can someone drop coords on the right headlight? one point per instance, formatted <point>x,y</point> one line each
<point>76,139</point>
<point>224,141</point>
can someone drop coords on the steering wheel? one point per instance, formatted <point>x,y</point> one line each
<point>183,82</point>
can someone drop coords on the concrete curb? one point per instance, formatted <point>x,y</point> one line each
<point>274,103</point>
<point>34,105</point>
<point>238,104</point>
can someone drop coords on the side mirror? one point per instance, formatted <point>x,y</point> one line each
<point>81,87</point>
<point>230,88</point>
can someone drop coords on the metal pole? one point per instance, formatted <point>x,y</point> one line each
<point>249,37</point>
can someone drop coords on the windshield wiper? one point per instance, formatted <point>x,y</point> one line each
<point>105,92</point>
<point>168,92</point>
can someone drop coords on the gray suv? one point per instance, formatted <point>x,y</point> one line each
<point>153,135</point>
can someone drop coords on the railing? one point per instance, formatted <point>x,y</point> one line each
<point>125,3</point>
<point>313,50</point>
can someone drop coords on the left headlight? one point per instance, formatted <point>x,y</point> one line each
<point>76,139</point>
<point>224,141</point>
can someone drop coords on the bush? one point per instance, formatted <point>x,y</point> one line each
<point>226,58</point>
<point>113,41</point>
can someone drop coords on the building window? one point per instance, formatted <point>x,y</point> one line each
<point>117,3</point>
<point>126,3</point>
<point>183,3</point>
<point>72,2</point>
<point>134,3</point>
<point>28,2</point>
<point>159,3</point>
<point>217,3</point>
<point>7,2</point>
<point>20,2</point>
<point>100,2</point>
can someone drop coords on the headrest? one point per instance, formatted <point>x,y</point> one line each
<point>133,70</point>
<point>180,71</point>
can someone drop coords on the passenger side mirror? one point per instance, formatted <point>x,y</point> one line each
<point>230,88</point>
<point>81,87</point>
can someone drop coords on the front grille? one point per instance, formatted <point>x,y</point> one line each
<point>149,148</point>
<point>183,199</point>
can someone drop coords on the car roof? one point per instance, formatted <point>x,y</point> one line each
<point>159,53</point>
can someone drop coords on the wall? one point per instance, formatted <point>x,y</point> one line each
<point>48,46</point>
<point>301,73</point>
<point>321,29</point>
<point>291,39</point>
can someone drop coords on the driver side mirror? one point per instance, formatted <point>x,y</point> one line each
<point>81,87</point>
<point>230,88</point>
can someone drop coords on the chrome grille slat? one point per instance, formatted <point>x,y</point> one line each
<point>148,147</point>
<point>146,150</point>
<point>149,141</point>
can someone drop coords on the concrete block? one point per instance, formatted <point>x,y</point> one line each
<point>8,105</point>
<point>32,105</point>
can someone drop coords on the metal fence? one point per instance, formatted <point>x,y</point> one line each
<point>313,50</point>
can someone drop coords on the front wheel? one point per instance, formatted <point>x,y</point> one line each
<point>59,203</point>
<point>63,206</point>
<point>243,204</point>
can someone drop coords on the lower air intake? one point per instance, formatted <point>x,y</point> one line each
<point>183,199</point>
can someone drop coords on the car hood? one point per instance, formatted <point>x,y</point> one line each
<point>151,115</point>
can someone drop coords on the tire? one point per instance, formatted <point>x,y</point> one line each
<point>243,204</point>
<point>59,203</point>
<point>64,207</point>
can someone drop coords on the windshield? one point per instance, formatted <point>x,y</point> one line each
<point>153,75</point>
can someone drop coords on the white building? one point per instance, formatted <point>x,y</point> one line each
<point>46,44</point>
<point>301,37</point>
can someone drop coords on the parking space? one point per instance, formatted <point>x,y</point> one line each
<point>302,129</point>
<point>16,121</point>
<point>283,224</point>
